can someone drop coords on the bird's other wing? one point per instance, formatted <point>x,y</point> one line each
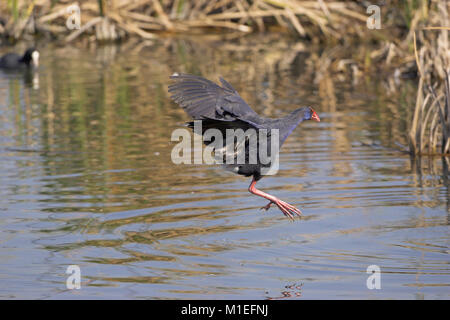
<point>202,98</point>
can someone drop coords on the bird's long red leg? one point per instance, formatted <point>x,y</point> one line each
<point>287,209</point>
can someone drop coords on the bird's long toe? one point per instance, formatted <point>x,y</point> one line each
<point>287,209</point>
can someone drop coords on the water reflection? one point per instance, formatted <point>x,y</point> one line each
<point>87,179</point>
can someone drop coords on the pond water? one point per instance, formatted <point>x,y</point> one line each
<point>87,179</point>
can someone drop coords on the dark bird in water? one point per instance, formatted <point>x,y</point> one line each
<point>221,108</point>
<point>13,61</point>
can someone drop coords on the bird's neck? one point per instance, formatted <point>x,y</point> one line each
<point>288,123</point>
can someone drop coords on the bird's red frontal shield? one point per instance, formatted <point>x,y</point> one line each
<point>315,116</point>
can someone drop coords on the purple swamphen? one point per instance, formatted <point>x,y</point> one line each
<point>221,107</point>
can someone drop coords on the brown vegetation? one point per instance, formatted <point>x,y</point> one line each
<point>413,40</point>
<point>113,19</point>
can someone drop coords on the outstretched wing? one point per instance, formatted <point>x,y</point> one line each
<point>202,98</point>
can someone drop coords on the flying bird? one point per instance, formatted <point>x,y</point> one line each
<point>222,108</point>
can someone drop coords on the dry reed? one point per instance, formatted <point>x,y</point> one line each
<point>147,18</point>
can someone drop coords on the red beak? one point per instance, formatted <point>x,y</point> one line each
<point>315,117</point>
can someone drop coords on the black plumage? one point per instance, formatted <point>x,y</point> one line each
<point>14,61</point>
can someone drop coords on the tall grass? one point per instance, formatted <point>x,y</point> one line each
<point>430,130</point>
<point>413,39</point>
<point>14,9</point>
